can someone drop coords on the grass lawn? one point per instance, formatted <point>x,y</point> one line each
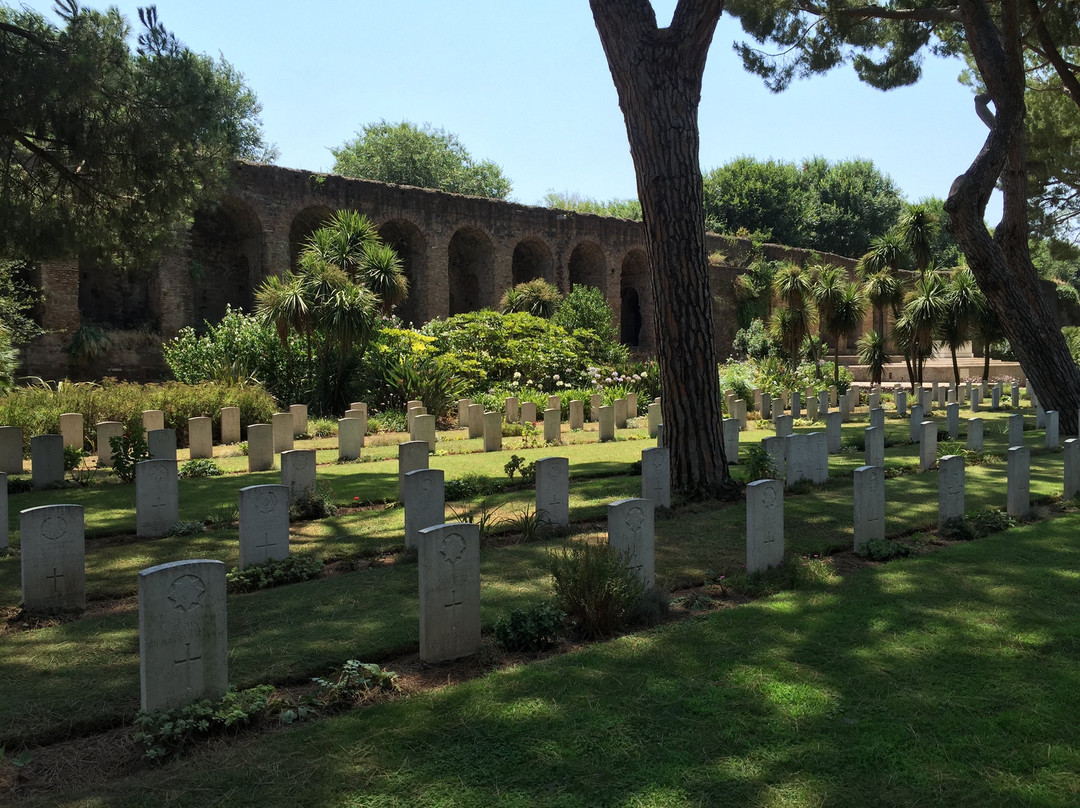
<point>78,677</point>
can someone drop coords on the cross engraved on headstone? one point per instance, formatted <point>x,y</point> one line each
<point>186,662</point>
<point>266,542</point>
<point>453,606</point>
<point>187,593</point>
<point>53,578</point>
<point>53,528</point>
<point>768,502</point>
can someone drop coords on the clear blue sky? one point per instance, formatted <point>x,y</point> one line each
<point>526,84</point>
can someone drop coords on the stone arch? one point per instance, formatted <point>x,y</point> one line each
<point>114,298</point>
<point>303,224</point>
<point>411,246</point>
<point>470,270</point>
<point>588,266</point>
<point>532,259</point>
<point>636,328</point>
<point>227,252</point>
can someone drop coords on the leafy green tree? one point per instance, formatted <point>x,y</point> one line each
<point>407,154</point>
<point>108,151</point>
<point>763,197</point>
<point>847,204</point>
<point>918,229</point>
<point>623,208</point>
<point>874,353</point>
<point>537,297</point>
<point>794,321</point>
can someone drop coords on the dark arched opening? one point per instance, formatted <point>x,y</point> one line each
<point>636,316</point>
<point>470,271</point>
<point>303,225</point>
<point>588,267</point>
<point>630,330</point>
<point>532,259</point>
<point>226,259</point>
<point>411,247</point>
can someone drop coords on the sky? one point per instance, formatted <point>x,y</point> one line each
<point>526,84</point>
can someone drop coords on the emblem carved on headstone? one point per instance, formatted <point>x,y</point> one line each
<point>187,593</point>
<point>54,528</point>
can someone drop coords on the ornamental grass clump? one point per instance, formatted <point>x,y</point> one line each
<point>595,586</point>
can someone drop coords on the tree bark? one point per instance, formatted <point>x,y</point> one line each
<point>657,73</point>
<point>1001,263</point>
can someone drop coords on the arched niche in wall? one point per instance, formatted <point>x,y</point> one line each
<point>635,294</point>
<point>411,247</point>
<point>226,259</point>
<point>304,223</point>
<point>115,298</point>
<point>470,271</point>
<point>532,259</point>
<point>588,267</point>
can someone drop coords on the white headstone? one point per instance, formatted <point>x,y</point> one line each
<point>425,502</point>
<point>607,423</point>
<point>797,456</point>
<point>554,403</point>
<point>877,417</point>
<point>1014,392</point>
<point>631,405</point>
<point>412,456</point>
<point>731,440</point>
<point>975,434</point>
<point>283,431</point>
<point>656,476</point>
<point>915,424</point>
<point>812,407</point>
<point>183,649</point>
<point>11,450</point>
<point>153,419</point>
<point>740,413</point>
<point>358,412</point>
<point>264,524</point>
<point>350,439</point>
<point>106,431</point>
<point>53,556</point>
<point>1019,487</point>
<point>995,397</point>
<point>1052,436</point>
<point>449,562</point>
<point>952,420</point>
<point>1016,429</point>
<point>823,403</point>
<point>833,435</point>
<point>900,397</point>
<point>71,429</point>
<point>512,409</point>
<point>631,533</point>
<point>298,473</point>
<point>476,419</point>
<point>1040,417</point>
<point>766,406</point>
<point>47,460</point>
<point>776,449</point>
<point>655,417</point>
<point>976,399</point>
<point>927,445</point>
<point>869,505</point>
<point>463,419</point>
<point>577,414</point>
<point>620,413</point>
<point>200,437</point>
<point>874,446</point>
<point>784,426</point>
<point>764,525</point>
<point>415,409</point>
<point>161,443</point>
<point>492,431</point>
<point>260,440</point>
<point>950,488</point>
<point>796,405</point>
<point>157,498</point>
<point>833,393</point>
<point>1072,468</point>
<point>819,458</point>
<point>230,425</point>
<point>596,401</point>
<point>552,426</point>
<point>553,489</point>
<point>424,429</point>
<point>528,413</point>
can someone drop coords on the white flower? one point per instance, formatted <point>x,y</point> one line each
<point>644,375</point>
<point>528,383</point>
<point>556,377</point>
<point>517,374</point>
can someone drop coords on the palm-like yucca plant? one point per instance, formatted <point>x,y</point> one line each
<point>886,254</point>
<point>917,228</point>
<point>793,285</point>
<point>536,297</point>
<point>923,310</point>
<point>342,241</point>
<point>874,354</point>
<point>845,319</point>
<point>381,272</point>
<point>789,327</point>
<point>961,308</point>
<point>883,289</point>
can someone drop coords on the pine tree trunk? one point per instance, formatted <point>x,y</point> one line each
<point>657,73</point>
<point>1001,263</point>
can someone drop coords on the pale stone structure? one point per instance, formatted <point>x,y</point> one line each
<point>350,439</point>
<point>200,437</point>
<point>874,446</point>
<point>46,460</point>
<point>553,489</point>
<point>552,426</point>
<point>620,413</point>
<point>425,502</point>
<point>11,450</point>
<point>230,425</point>
<point>260,447</point>
<point>1016,430</point>
<point>492,431</point>
<point>577,414</point>
<point>153,419</point>
<point>512,409</point>
<point>298,473</point>
<point>424,429</point>
<point>656,476</point>
<point>1018,502</point>
<point>731,440</point>
<point>264,524</point>
<point>607,423</point>
<point>157,498</point>
<point>449,563</point>
<point>105,432</point>
<point>299,415</point>
<point>1052,436</point>
<point>950,488</point>
<point>927,445</point>
<point>655,417</point>
<point>476,419</point>
<point>53,557</point>
<point>797,457</point>
<point>631,533</point>
<point>528,413</point>
<point>819,458</point>
<point>161,443</point>
<point>833,435</point>
<point>283,432</point>
<point>764,525</point>
<point>71,429</point>
<point>869,505</point>
<point>1072,468</point>
<point>412,456</point>
<point>975,434</point>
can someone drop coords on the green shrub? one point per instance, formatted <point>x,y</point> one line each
<point>291,570</point>
<point>469,486</point>
<point>884,550</point>
<point>595,586</point>
<point>758,464</point>
<point>127,450</point>
<point>585,313</point>
<point>753,342</point>
<point>534,629</point>
<point>518,465</point>
<point>353,683</point>
<point>318,506</point>
<point>200,467</point>
<point>187,528</point>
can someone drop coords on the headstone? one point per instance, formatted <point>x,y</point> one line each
<point>950,396</point>
<point>1040,417</point>
<point>963,395</point>
<point>424,429</point>
<point>1019,474</point>
<point>833,393</point>
<point>492,431</point>
<point>230,425</point>
<point>1016,430</point>
<point>660,434</point>
<point>976,399</point>
<point>975,434</point>
<point>656,476</point>
<point>874,446</point>
<point>105,432</point>
<point>1072,468</point>
<point>632,534</point>
<point>161,443</point>
<point>915,424</point>
<point>900,397</point>
<point>183,652</point>
<point>528,413</point>
<point>926,401</point>
<point>46,460</point>
<point>797,456</point>
<point>952,420</point>
<point>607,423</point>
<point>415,409</point>
<point>53,556</point>
<point>812,407</point>
<point>200,437</point>
<point>1052,436</point>
<point>950,488</point>
<point>463,413</point>
<point>756,393</point>
<point>995,397</point>
<point>740,413</point>
<point>264,524</point>
<point>552,426</point>
<point>631,405</point>
<point>766,406</point>
<point>983,389</point>
<point>299,417</point>
<point>5,539</point>
<point>425,502</point>
<point>298,473</point>
<point>869,505</point>
<point>729,403</point>
<point>554,403</point>
<point>874,401</point>
<point>350,438</point>
<point>153,419</point>
<point>596,401</point>
<point>819,458</point>
<point>764,525</point>
<point>823,403</point>
<point>968,388</point>
<point>11,450</point>
<point>1014,392</point>
<point>731,440</point>
<point>833,435</point>
<point>412,456</point>
<point>71,429</point>
<point>785,398</point>
<point>449,562</point>
<point>620,413</point>
<point>577,414</point>
<point>877,418</point>
<point>776,449</point>
<point>157,498</point>
<point>512,409</point>
<point>927,445</point>
<point>796,405</point>
<point>553,489</point>
<point>845,408</point>
<point>260,447</point>
<point>784,426</point>
<point>942,396</point>
<point>283,431</point>
<point>358,411</point>
<point>655,416</point>
<point>476,418</point>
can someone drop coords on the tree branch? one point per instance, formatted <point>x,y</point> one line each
<point>949,14</point>
<point>1069,80</point>
<point>22,33</point>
